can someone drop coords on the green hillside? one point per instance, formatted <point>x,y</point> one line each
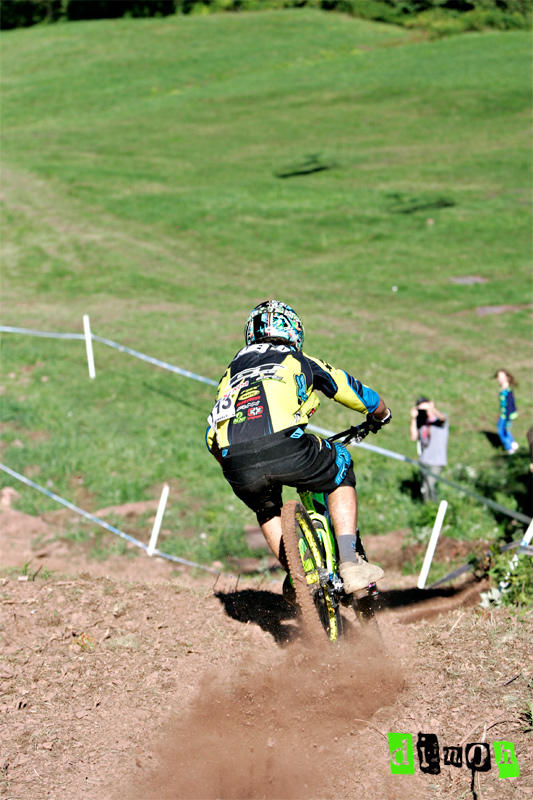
<point>165,175</point>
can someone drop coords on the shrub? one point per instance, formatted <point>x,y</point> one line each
<point>510,587</point>
<point>435,17</point>
<point>439,22</point>
<point>23,13</point>
<point>112,9</point>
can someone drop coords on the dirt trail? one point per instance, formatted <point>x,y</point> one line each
<point>130,680</point>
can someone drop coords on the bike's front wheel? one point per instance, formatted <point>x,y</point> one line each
<point>319,609</point>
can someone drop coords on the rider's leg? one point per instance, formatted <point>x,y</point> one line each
<point>356,573</point>
<point>342,504</point>
<point>272,533</point>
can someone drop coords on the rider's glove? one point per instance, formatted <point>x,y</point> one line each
<point>375,424</point>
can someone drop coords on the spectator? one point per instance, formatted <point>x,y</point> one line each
<point>429,429</point>
<point>508,410</point>
<point>529,436</point>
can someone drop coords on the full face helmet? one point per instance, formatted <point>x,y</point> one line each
<point>274,321</point>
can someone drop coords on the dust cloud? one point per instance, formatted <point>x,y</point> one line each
<point>272,732</point>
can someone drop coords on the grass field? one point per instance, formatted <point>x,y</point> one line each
<point>141,185</point>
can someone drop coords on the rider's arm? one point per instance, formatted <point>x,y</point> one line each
<point>345,389</point>
<point>382,411</point>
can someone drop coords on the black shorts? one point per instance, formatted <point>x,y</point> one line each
<point>258,470</point>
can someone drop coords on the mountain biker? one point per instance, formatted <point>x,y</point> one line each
<point>257,432</point>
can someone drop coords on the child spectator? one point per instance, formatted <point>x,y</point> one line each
<point>508,410</point>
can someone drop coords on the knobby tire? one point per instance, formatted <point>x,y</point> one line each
<point>318,616</point>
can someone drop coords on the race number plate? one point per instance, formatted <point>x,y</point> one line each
<point>223,409</point>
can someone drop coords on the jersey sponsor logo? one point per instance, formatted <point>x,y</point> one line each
<point>240,416</point>
<point>301,385</point>
<point>263,372</point>
<point>243,405</point>
<point>249,394</point>
<point>255,413</point>
<point>264,347</point>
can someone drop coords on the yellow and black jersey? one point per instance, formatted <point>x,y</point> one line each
<point>268,388</point>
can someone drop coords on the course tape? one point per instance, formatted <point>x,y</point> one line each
<point>390,454</point>
<point>194,376</point>
<point>120,347</point>
<point>101,522</point>
<point>164,364</point>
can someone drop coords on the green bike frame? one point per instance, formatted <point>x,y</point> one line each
<point>322,567</point>
<point>319,555</point>
<point>316,506</point>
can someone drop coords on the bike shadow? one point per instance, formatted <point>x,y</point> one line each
<point>269,611</point>
<point>266,609</point>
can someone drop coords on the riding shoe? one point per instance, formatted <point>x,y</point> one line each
<point>358,575</point>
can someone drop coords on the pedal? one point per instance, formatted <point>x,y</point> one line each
<point>369,591</point>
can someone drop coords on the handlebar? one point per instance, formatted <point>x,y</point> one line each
<point>352,435</point>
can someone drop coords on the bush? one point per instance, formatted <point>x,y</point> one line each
<point>439,22</point>
<point>510,587</point>
<point>113,9</point>
<point>23,13</point>
<point>365,9</point>
<point>435,17</point>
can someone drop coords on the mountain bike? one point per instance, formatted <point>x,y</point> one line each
<point>313,559</point>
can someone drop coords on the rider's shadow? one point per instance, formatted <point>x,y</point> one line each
<point>266,609</point>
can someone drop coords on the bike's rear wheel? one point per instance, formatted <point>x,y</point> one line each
<point>306,558</point>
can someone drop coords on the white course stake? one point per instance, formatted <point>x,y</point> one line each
<point>437,526</point>
<point>158,520</point>
<point>89,345</point>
